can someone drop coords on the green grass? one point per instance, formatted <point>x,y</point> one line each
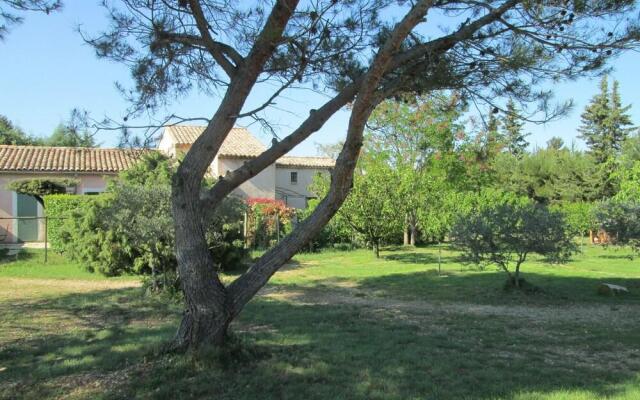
<point>29,263</point>
<point>335,325</point>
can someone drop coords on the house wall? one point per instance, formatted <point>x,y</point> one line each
<point>262,185</point>
<point>8,206</point>
<point>295,195</point>
<point>167,146</point>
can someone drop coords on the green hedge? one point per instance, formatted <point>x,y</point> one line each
<point>58,208</point>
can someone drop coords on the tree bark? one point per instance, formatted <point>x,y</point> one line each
<point>206,317</point>
<point>414,233</point>
<point>406,232</point>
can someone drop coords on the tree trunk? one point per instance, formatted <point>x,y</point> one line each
<point>414,233</point>
<point>406,234</point>
<point>207,316</point>
<point>517,276</point>
<point>376,249</point>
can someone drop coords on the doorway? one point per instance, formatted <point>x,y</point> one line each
<point>27,206</point>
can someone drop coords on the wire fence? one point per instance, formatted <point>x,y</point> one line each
<point>34,230</point>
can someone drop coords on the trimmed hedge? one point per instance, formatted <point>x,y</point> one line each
<point>58,208</point>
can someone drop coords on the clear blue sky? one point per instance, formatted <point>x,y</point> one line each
<point>46,71</point>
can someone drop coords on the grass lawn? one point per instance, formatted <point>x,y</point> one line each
<point>334,325</point>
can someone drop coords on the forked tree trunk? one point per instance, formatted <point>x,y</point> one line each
<point>210,307</point>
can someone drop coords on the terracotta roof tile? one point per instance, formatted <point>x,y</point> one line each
<point>239,143</point>
<point>305,162</point>
<point>65,159</point>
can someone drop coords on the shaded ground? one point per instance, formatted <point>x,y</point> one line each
<point>337,325</point>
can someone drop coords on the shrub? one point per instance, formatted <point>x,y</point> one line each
<point>129,229</point>
<point>505,234</point>
<point>59,208</point>
<point>621,219</point>
<point>335,232</point>
<point>266,219</point>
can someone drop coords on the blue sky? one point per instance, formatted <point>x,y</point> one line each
<point>46,71</point>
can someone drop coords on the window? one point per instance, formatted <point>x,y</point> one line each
<point>294,178</point>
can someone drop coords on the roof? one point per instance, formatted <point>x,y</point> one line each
<point>65,159</point>
<point>239,143</point>
<point>305,162</point>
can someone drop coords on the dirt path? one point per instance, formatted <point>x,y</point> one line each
<point>596,313</point>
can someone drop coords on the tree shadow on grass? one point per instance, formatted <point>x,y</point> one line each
<point>296,349</point>
<point>73,336</point>
<point>488,287</point>
<point>422,258</point>
<point>310,351</point>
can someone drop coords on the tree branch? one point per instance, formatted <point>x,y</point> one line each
<point>247,285</point>
<point>217,49</point>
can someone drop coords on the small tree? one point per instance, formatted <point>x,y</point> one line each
<point>371,209</point>
<point>505,235</point>
<point>513,135</point>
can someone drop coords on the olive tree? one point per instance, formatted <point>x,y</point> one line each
<point>354,52</point>
<point>506,234</point>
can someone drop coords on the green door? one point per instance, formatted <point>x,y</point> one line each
<point>27,228</point>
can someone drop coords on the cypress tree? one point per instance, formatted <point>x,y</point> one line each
<point>513,136</point>
<point>605,122</point>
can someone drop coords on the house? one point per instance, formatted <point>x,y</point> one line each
<point>90,167</point>
<point>286,180</point>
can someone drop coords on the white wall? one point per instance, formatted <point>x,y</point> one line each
<point>167,146</point>
<point>295,194</point>
<point>262,185</point>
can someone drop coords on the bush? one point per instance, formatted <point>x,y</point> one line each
<point>335,233</point>
<point>59,208</point>
<point>266,219</point>
<point>621,220</point>
<point>129,229</point>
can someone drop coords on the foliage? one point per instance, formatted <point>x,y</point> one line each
<point>514,137</point>
<point>622,221</point>
<point>11,134</point>
<point>129,229</point>
<point>267,221</point>
<point>605,122</point>
<point>505,235</point>
<point>336,233</point>
<point>70,136</point>
<point>605,127</point>
<point>59,208</point>
<point>416,137</point>
<point>549,176</point>
<point>371,209</point>
<point>39,188</point>
<point>579,216</point>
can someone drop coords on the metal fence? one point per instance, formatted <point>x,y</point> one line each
<point>34,230</point>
